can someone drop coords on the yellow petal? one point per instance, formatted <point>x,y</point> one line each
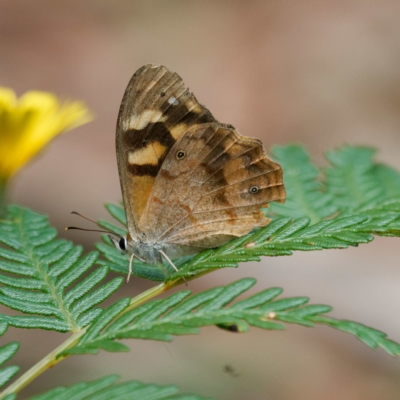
<point>28,124</point>
<point>7,98</point>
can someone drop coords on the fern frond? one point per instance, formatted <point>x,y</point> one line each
<point>183,314</point>
<point>281,237</point>
<point>388,179</point>
<point>363,196</point>
<point>356,181</point>
<point>353,180</point>
<point>107,388</point>
<point>6,352</point>
<point>305,194</point>
<point>39,274</point>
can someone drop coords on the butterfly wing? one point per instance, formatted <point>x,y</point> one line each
<point>214,192</point>
<point>155,111</point>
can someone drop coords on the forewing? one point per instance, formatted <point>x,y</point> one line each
<point>215,192</point>
<point>155,111</point>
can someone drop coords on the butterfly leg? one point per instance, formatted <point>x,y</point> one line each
<point>130,268</point>
<point>130,265</point>
<point>172,264</point>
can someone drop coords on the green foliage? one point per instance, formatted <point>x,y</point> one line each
<point>351,182</point>
<point>182,314</point>
<point>281,237</point>
<point>6,352</point>
<point>40,273</point>
<point>48,279</point>
<point>361,199</point>
<point>106,388</point>
<point>306,195</point>
<point>355,181</point>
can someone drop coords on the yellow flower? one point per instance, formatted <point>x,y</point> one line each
<point>27,124</point>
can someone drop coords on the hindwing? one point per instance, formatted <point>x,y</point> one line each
<point>214,192</point>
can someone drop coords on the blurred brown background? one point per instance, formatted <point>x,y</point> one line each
<point>318,73</point>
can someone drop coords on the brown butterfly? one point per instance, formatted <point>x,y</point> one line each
<point>189,182</point>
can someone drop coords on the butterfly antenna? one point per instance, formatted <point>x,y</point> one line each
<point>172,265</point>
<point>69,228</point>
<point>88,230</point>
<point>82,216</point>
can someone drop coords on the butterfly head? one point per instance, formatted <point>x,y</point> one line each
<point>120,244</point>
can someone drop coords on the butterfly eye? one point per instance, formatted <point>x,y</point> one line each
<point>162,94</point>
<point>254,189</point>
<point>180,155</point>
<point>123,243</point>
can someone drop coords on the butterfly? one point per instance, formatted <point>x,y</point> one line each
<point>188,182</point>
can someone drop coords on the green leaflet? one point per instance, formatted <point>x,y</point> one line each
<point>388,179</point>
<point>350,179</point>
<point>39,273</point>
<point>355,180</point>
<point>117,212</point>
<point>6,352</point>
<point>183,313</point>
<point>305,193</point>
<point>107,388</point>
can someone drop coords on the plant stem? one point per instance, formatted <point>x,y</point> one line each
<point>51,359</point>
<point>147,295</point>
<point>156,290</point>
